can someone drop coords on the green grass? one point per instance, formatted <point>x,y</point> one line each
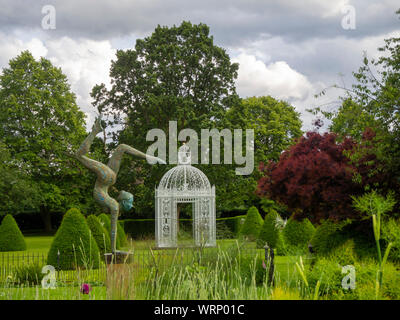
<point>145,264</point>
<point>38,243</point>
<point>59,293</point>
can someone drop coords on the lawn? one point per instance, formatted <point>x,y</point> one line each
<point>59,293</point>
<point>145,263</point>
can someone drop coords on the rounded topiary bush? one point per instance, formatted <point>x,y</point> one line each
<point>252,225</point>
<point>11,238</point>
<point>99,233</point>
<point>270,232</point>
<point>328,236</point>
<point>297,235</point>
<point>75,243</point>
<point>105,220</point>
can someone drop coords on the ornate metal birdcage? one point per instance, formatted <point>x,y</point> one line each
<point>185,184</point>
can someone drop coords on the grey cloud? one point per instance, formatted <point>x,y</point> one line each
<point>232,22</point>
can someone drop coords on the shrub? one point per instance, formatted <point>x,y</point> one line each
<point>75,243</point>
<point>11,238</point>
<point>297,235</point>
<point>344,254</point>
<point>251,269</point>
<point>30,274</point>
<point>139,228</point>
<point>223,231</point>
<point>270,232</point>
<point>329,272</point>
<point>252,225</point>
<point>99,233</point>
<point>144,228</point>
<point>328,236</point>
<point>391,233</point>
<point>105,221</point>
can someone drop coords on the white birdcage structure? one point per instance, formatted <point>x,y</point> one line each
<point>185,184</point>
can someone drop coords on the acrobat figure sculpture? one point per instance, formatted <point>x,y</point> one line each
<point>107,176</point>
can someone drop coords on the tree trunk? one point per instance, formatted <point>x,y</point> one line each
<point>46,218</point>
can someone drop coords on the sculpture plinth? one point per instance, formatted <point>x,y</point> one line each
<point>118,257</point>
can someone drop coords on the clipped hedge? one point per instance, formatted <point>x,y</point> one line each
<point>252,225</point>
<point>99,233</point>
<point>145,228</point>
<point>297,235</point>
<point>75,243</point>
<point>139,228</point>
<point>233,223</point>
<point>270,233</point>
<point>121,235</point>
<point>11,238</point>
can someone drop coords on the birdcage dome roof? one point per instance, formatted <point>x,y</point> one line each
<point>184,178</point>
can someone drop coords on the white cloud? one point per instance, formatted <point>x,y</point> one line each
<point>12,46</point>
<point>277,79</point>
<point>86,63</point>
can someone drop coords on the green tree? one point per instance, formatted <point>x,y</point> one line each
<point>175,74</point>
<point>276,125</point>
<point>40,124</point>
<point>252,225</point>
<point>15,182</point>
<point>11,238</point>
<point>75,242</point>
<point>373,102</point>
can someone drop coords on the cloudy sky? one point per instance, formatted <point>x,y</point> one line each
<point>289,49</point>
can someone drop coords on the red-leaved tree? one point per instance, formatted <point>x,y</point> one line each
<point>315,177</point>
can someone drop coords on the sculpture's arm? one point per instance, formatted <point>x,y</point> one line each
<point>116,158</point>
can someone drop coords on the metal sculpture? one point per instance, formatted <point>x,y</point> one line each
<point>107,176</point>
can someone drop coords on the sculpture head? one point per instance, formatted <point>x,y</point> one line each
<point>125,200</point>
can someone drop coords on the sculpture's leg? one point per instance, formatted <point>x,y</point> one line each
<point>114,208</point>
<point>85,146</point>
<point>115,160</point>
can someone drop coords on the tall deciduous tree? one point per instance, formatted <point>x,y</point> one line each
<point>176,74</point>
<point>276,125</point>
<point>374,102</point>
<point>39,123</point>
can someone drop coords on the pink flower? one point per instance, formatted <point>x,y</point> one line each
<point>85,288</point>
<point>263,264</point>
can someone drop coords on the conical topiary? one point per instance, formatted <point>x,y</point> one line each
<point>252,225</point>
<point>11,238</point>
<point>99,233</point>
<point>270,232</point>
<point>75,243</point>
<point>121,234</point>
<point>105,220</point>
<point>297,235</point>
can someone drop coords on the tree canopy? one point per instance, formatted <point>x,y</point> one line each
<point>39,124</point>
